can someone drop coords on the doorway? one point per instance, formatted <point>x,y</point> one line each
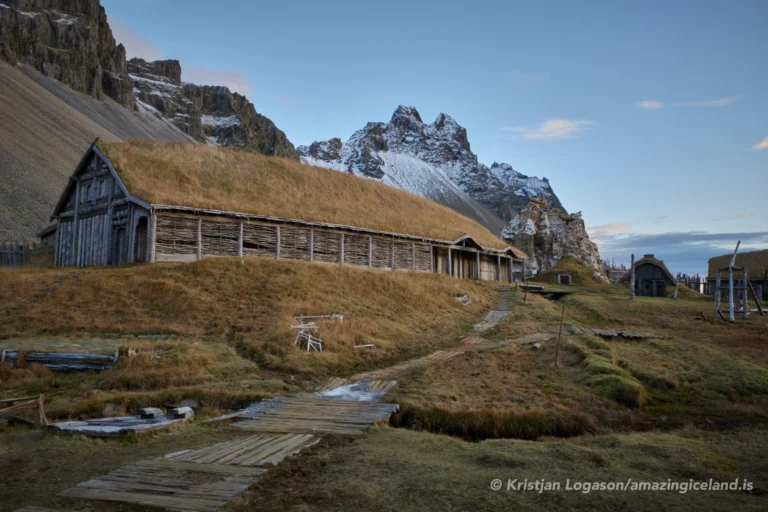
<point>140,244</point>
<point>118,247</point>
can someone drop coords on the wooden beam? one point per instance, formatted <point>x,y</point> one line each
<point>413,255</point>
<point>152,245</point>
<point>311,244</point>
<point>277,245</point>
<point>76,244</point>
<point>450,270</point>
<point>498,267</point>
<point>370,251</point>
<point>108,225</point>
<point>717,296</point>
<point>745,296</point>
<point>341,256</point>
<point>240,241</point>
<point>199,239</point>
<point>477,264</point>
<point>392,251</point>
<point>632,278</point>
<point>757,299</point>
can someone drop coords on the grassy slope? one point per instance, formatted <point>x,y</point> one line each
<point>580,273</point>
<point>226,179</point>
<point>231,321</point>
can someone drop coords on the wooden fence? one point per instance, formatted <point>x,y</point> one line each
<point>15,253</point>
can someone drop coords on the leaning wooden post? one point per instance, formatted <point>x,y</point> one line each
<point>731,315</point>
<point>559,335</point>
<point>717,295</point>
<point>632,278</point>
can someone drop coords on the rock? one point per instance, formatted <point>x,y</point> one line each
<point>210,114</point>
<point>150,413</point>
<point>185,413</point>
<point>536,346</point>
<point>547,233</point>
<point>70,41</point>
<point>576,330</point>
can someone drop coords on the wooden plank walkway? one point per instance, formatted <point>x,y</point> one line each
<point>169,484</point>
<point>258,450</point>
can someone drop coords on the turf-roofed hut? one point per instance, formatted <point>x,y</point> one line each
<point>756,264</point>
<point>651,277</point>
<point>142,201</point>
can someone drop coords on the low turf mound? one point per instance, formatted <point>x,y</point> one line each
<point>580,273</point>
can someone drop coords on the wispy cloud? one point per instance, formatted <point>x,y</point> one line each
<point>717,102</point>
<point>135,44</point>
<point>526,77</point>
<point>750,213</point>
<point>553,129</point>
<point>606,231</point>
<point>763,144</point>
<point>234,80</point>
<point>650,105</point>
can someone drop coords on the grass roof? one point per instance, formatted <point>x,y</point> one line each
<point>755,261</point>
<point>579,271</point>
<point>225,179</point>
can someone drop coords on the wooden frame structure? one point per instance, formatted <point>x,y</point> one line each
<point>99,222</point>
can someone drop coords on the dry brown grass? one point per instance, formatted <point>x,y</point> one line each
<point>226,179</point>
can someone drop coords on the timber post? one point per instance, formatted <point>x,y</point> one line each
<point>240,241</point>
<point>477,264</point>
<point>76,248</point>
<point>498,267</point>
<point>277,245</point>
<point>311,244</point>
<point>450,270</point>
<point>413,255</point>
<point>731,315</point>
<point>632,278</point>
<point>341,250</point>
<point>153,236</point>
<point>745,306</point>
<point>370,251</point>
<point>717,295</point>
<point>392,255</point>
<point>199,239</point>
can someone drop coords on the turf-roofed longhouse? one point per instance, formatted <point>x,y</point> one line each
<point>149,202</point>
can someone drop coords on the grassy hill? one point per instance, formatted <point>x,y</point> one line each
<point>226,179</point>
<point>580,273</point>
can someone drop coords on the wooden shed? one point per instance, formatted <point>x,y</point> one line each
<point>651,277</point>
<point>100,222</point>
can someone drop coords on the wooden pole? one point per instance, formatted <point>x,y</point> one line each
<point>745,296</point>
<point>240,241</point>
<point>559,335</point>
<point>413,255</point>
<point>392,255</point>
<point>199,240</point>
<point>477,264</point>
<point>312,245</point>
<point>632,279</point>
<point>370,251</point>
<point>277,245</point>
<point>341,257</point>
<point>498,267</point>
<point>717,296</point>
<point>450,270</point>
<point>731,315</point>
<point>757,299</point>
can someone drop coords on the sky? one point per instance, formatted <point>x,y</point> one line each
<point>651,118</point>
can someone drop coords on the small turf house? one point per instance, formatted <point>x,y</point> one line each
<point>101,221</point>
<point>651,277</point>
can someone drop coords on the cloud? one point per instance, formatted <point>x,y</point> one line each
<point>234,80</point>
<point>750,213</point>
<point>135,44</point>
<point>686,252</point>
<point>553,129</point>
<point>717,102</point>
<point>526,77</point>
<point>650,105</point>
<point>763,144</point>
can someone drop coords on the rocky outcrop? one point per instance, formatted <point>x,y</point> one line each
<point>547,234</point>
<point>209,114</point>
<point>69,40</point>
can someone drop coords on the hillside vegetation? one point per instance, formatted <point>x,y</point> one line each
<point>226,179</point>
<point>580,273</point>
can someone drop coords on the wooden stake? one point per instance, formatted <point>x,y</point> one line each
<point>632,279</point>
<point>731,315</point>
<point>757,300</point>
<point>559,334</point>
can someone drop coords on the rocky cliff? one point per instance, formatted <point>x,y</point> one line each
<point>69,40</point>
<point>209,114</point>
<point>548,234</point>
<point>436,161</point>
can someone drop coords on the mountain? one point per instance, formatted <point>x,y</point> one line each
<point>436,161</point>
<point>64,81</point>
<point>209,114</point>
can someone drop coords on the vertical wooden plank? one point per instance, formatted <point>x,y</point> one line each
<point>731,315</point>
<point>511,264</point>
<point>199,238</point>
<point>413,255</point>
<point>392,255</point>
<point>632,278</point>
<point>77,211</point>
<point>370,251</point>
<point>450,270</point>
<point>745,297</point>
<point>311,245</point>
<point>341,258</point>
<point>432,258</point>
<point>277,245</point>
<point>240,241</point>
<point>153,243</point>
<point>108,222</point>
<point>498,267</point>
<point>477,264</point>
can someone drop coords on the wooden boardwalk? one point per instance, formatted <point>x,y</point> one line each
<point>207,478</point>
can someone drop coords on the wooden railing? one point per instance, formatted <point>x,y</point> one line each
<point>15,253</point>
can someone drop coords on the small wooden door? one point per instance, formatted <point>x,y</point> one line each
<point>119,255</point>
